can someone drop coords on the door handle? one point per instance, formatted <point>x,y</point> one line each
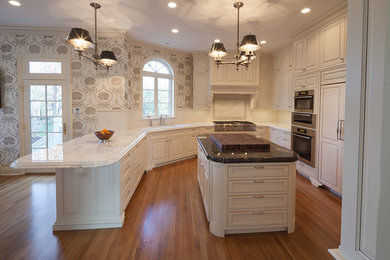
<point>342,130</point>
<point>338,129</point>
<point>64,128</point>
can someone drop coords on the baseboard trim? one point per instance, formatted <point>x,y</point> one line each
<point>151,167</point>
<point>115,223</point>
<point>337,254</point>
<point>10,171</point>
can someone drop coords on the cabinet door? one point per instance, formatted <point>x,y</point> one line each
<point>331,147</point>
<point>177,144</point>
<point>286,91</point>
<point>286,60</point>
<point>332,47</point>
<point>311,52</point>
<point>265,92</point>
<point>191,144</point>
<point>298,56</point>
<point>275,91</point>
<point>200,90</point>
<point>158,151</point>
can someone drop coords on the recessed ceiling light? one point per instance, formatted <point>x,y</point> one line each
<point>175,30</point>
<point>172,5</point>
<point>217,40</point>
<point>14,3</point>
<point>263,42</point>
<point>305,10</point>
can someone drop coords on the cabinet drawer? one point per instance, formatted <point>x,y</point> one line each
<point>258,171</point>
<point>257,218</point>
<point>333,76</point>
<point>254,186</point>
<point>257,201</point>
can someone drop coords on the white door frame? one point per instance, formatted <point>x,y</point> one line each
<point>23,74</point>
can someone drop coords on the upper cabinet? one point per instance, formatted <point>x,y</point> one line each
<point>227,75</point>
<point>333,43</point>
<point>201,89</point>
<point>306,53</point>
<point>283,60</point>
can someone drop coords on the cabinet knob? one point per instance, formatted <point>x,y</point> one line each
<point>258,196</point>
<point>258,181</point>
<point>258,167</point>
<point>304,69</point>
<point>258,213</point>
<point>342,59</point>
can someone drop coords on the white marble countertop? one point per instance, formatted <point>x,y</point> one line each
<point>86,151</point>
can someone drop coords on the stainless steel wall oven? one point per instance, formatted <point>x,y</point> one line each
<point>303,119</point>
<point>303,142</point>
<point>304,101</point>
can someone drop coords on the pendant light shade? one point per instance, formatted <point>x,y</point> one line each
<point>249,43</point>
<point>107,58</point>
<point>79,39</point>
<point>217,51</point>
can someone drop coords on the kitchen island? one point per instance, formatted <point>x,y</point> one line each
<point>247,191</point>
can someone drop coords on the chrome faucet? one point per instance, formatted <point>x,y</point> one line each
<point>163,118</point>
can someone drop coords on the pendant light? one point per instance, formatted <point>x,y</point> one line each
<point>80,40</point>
<point>245,50</point>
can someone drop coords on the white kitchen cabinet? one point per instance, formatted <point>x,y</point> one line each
<point>177,146</point>
<point>275,91</point>
<point>158,149</point>
<point>280,137</point>
<point>265,96</point>
<point>333,43</point>
<point>191,142</point>
<point>306,82</point>
<point>306,53</point>
<point>227,75</point>
<point>286,59</point>
<point>331,135</point>
<point>285,91</point>
<point>201,89</point>
<point>281,94</point>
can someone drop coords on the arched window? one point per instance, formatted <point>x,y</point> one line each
<point>157,85</point>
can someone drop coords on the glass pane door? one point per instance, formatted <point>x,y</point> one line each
<point>45,124</point>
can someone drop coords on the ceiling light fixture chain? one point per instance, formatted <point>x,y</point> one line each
<point>80,40</point>
<point>245,50</point>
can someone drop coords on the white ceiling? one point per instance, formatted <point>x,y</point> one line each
<point>199,21</point>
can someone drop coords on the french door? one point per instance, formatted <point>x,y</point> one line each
<point>45,114</point>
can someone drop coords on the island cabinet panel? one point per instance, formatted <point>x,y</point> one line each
<point>88,198</point>
<point>258,171</point>
<point>262,218</point>
<point>246,197</point>
<point>257,186</point>
<point>242,202</point>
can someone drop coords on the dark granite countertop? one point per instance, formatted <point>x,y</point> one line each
<point>276,153</point>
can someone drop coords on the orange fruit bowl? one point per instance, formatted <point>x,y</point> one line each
<point>104,136</point>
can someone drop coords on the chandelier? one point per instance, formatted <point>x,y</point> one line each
<point>80,40</point>
<point>245,50</point>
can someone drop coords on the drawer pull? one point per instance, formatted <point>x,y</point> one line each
<point>258,181</point>
<point>258,213</point>
<point>258,167</point>
<point>258,196</point>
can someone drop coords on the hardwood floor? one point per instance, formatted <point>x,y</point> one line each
<point>164,220</point>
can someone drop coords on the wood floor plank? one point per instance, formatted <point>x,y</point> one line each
<point>164,220</point>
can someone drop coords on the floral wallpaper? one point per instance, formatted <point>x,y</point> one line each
<point>92,90</point>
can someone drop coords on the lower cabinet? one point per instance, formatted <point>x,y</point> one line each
<point>247,197</point>
<point>173,145</point>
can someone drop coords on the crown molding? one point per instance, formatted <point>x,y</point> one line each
<point>58,31</point>
<point>336,12</point>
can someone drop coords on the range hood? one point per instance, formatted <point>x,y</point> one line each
<point>251,93</point>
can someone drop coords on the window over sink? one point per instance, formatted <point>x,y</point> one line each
<point>157,85</point>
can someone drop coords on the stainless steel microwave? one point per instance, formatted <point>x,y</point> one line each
<point>304,101</point>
